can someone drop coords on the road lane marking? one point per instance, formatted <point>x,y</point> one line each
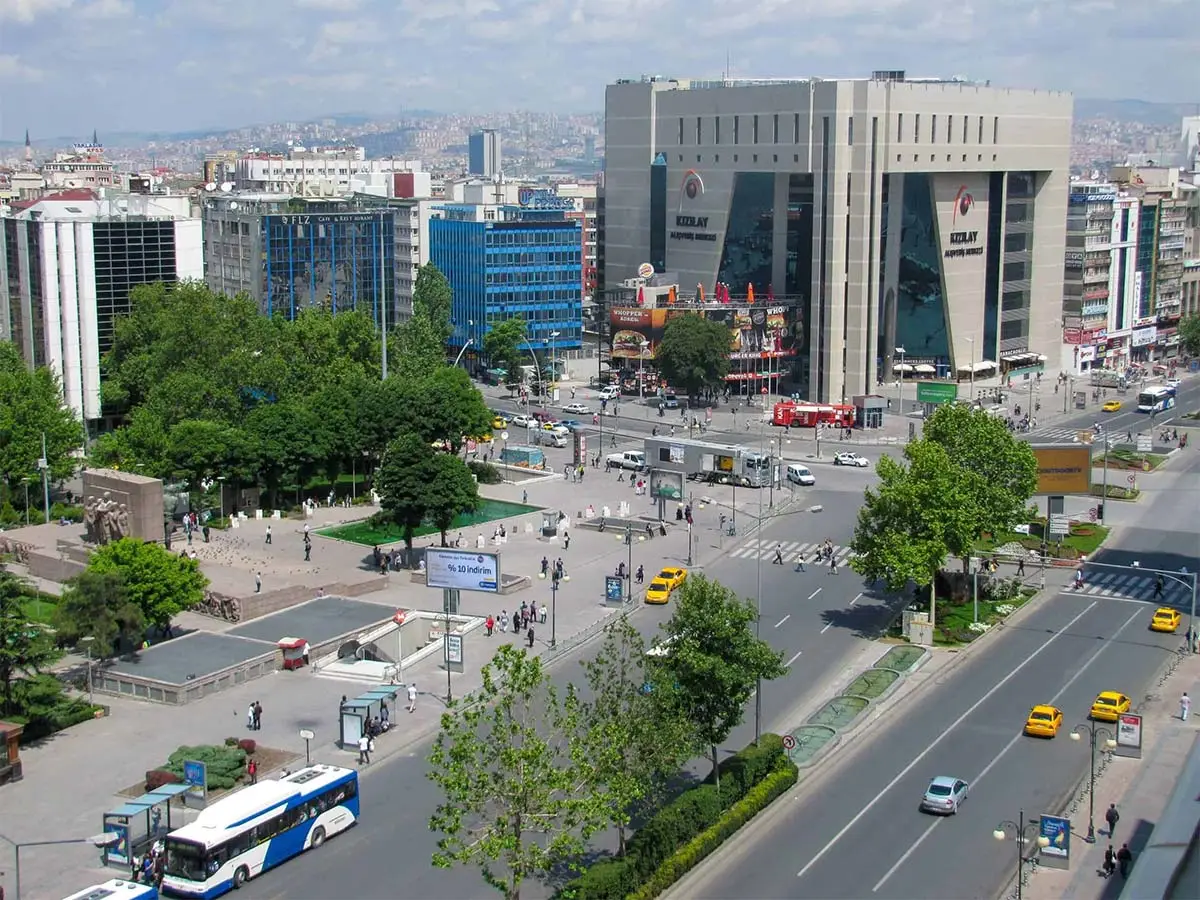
<point>793,659</point>
<point>941,737</point>
<point>814,593</point>
<point>830,625</point>
<point>856,599</point>
<point>784,619</point>
<point>1020,734</point>
<point>826,628</point>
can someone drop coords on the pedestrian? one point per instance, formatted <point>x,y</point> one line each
<point>257,716</point>
<point>250,718</point>
<point>252,770</point>
<point>307,551</point>
<point>268,534</point>
<point>566,540</point>
<point>503,620</point>
<point>490,624</point>
<point>1124,860</point>
<point>543,612</point>
<point>412,697</point>
<point>1158,587</point>
<point>1185,706</point>
<point>641,574</point>
<point>364,749</point>
<point>832,564</point>
<point>258,582</point>
<point>529,636</point>
<point>1021,567</point>
<point>525,497</point>
<point>545,566</point>
<point>1112,817</point>
<point>800,563</point>
<point>1110,862</point>
<point>778,560</point>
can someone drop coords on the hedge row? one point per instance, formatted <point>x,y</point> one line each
<point>679,823</point>
<point>693,853</point>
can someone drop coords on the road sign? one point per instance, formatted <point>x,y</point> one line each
<point>1131,478</point>
<point>1060,524</point>
<point>1093,513</point>
<point>789,742</point>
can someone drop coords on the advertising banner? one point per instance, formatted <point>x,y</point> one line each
<point>1063,470</point>
<point>668,485</point>
<point>937,391</point>
<point>195,776</point>
<point>1143,337</point>
<point>755,332</point>
<point>1129,735</point>
<point>1057,832</point>
<point>462,570</point>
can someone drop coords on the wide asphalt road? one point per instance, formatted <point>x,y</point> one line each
<point>857,831</point>
<point>388,854</point>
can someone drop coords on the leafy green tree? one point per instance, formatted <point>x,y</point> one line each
<point>31,404</point>
<point>320,345</point>
<point>290,441</point>
<point>998,472</point>
<point>157,581</point>
<point>693,353</point>
<point>1189,334</point>
<point>401,483</point>
<point>379,411</point>
<point>908,523</point>
<point>503,346</point>
<point>637,732</point>
<point>203,450</point>
<point>415,348</point>
<point>97,604</point>
<point>25,648</point>
<point>433,301</point>
<point>450,490</point>
<point>715,659</point>
<point>445,406</point>
<point>509,760</point>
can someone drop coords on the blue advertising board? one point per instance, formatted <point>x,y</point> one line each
<point>614,589</point>
<point>1057,832</point>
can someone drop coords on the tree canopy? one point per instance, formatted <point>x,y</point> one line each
<point>25,647</point>
<point>511,765</point>
<point>1189,334</point>
<point>156,581</point>
<point>504,345</point>
<point>714,659</point>
<point>693,353</point>
<point>31,405</point>
<point>433,301</point>
<point>96,604</point>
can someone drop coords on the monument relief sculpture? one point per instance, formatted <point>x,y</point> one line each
<point>105,519</point>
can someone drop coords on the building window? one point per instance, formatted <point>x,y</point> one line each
<point>920,303</point>
<point>796,129</point>
<point>749,237</point>
<point>716,129</point>
<point>996,130</point>
<point>698,133</point>
<point>775,128</point>
<point>850,131</point>
<point>681,131</point>
<point>754,138</point>
<point>933,129</point>
<point>900,127</point>
<point>949,129</point>
<point>964,139</point>
<point>917,129</point>
<point>737,129</point>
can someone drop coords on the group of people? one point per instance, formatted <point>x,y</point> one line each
<point>150,867</point>
<point>523,618</point>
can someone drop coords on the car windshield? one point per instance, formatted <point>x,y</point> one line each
<point>1106,701</point>
<point>941,790</point>
<point>185,860</point>
<point>1041,715</point>
<point>658,585</point>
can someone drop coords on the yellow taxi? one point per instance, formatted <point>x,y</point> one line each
<point>499,422</point>
<point>1109,706</point>
<point>485,438</point>
<point>1044,721</point>
<point>1166,619</point>
<point>659,591</point>
<point>1111,405</point>
<point>672,575</point>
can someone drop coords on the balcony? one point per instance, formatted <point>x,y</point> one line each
<point>1096,276</point>
<point>1096,294</point>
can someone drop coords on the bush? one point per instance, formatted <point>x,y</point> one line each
<point>225,764</point>
<point>231,742</point>
<point>44,707</point>
<point>484,472</point>
<point>10,517</point>
<point>248,745</point>
<point>59,511</point>
<point>691,854</point>
<point>156,778</point>
<point>679,823</point>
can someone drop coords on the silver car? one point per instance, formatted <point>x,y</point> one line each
<point>944,795</point>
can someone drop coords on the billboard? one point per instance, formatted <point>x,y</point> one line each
<point>1063,469</point>
<point>462,570</point>
<point>755,332</point>
<point>937,391</point>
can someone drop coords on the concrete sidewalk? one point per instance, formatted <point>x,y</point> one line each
<point>1141,789</point>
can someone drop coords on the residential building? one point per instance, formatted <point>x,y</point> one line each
<point>584,197</point>
<point>67,265</point>
<point>507,262</point>
<point>922,214</point>
<point>1088,273</point>
<point>483,153</point>
<point>321,172</point>
<point>412,247</point>
<point>84,167</point>
<point>291,253</point>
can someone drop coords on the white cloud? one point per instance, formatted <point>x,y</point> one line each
<point>108,9</point>
<point>13,70</point>
<point>26,11</point>
<point>329,5</point>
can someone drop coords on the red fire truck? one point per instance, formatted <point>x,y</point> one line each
<point>790,413</point>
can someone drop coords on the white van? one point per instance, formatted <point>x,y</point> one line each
<point>798,474</point>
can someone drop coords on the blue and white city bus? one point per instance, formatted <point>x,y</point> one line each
<point>1155,399</point>
<point>257,828</point>
<point>117,889</point>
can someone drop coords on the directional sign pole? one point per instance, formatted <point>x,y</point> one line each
<point>449,601</point>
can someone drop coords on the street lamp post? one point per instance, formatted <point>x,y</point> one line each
<point>458,358</point>
<point>87,640</point>
<point>44,465</point>
<point>105,839</point>
<point>1093,732</point>
<point>971,341</point>
<point>900,398</point>
<point>1020,829</point>
<point>758,593</point>
<point>628,539</point>
<point>643,347</point>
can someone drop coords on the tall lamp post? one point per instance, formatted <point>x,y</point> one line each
<point>1021,833</point>
<point>105,839</point>
<point>553,361</point>
<point>971,341</point>
<point>554,605</point>
<point>627,537</point>
<point>642,348</point>
<point>87,640</point>
<point>1093,733</point>
<point>458,358</point>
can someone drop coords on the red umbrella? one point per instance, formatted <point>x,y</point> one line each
<point>700,292</point>
<point>641,298</point>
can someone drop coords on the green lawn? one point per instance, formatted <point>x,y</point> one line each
<point>41,609</point>
<point>952,626</point>
<point>1085,538</point>
<point>369,535</point>
<point>1129,459</point>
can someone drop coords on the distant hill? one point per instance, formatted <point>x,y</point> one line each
<point>1143,111</point>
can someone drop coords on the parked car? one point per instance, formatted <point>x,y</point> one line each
<point>851,459</point>
<point>577,409</point>
<point>612,392</point>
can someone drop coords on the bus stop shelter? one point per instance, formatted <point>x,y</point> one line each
<point>355,714</point>
<point>139,823</point>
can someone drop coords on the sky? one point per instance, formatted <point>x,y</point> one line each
<point>68,66</point>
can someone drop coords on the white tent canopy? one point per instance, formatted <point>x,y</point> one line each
<point>902,367</point>
<point>980,366</point>
<point>925,368</point>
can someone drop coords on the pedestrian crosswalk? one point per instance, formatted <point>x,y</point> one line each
<point>1127,586</point>
<point>1054,435</point>
<point>791,551</point>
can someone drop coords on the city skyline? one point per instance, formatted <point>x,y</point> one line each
<point>66,62</point>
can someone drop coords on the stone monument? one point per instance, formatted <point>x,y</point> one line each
<point>121,504</point>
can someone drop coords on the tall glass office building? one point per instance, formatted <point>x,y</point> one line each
<point>506,262</point>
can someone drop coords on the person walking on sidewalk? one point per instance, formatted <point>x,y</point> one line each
<point>412,697</point>
<point>364,749</point>
<point>268,534</point>
<point>1124,860</point>
<point>1185,706</point>
<point>1110,862</point>
<point>1112,817</point>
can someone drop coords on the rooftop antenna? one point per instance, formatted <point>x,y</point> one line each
<point>727,67</point>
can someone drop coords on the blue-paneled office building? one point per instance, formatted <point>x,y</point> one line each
<point>507,262</point>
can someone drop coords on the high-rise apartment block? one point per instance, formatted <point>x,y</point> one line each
<point>483,154</point>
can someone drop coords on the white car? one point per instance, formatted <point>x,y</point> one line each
<point>522,420</point>
<point>851,459</point>
<point>612,392</point>
<point>577,409</point>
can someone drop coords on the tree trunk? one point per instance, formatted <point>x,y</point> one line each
<point>716,767</point>
<point>620,840</point>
